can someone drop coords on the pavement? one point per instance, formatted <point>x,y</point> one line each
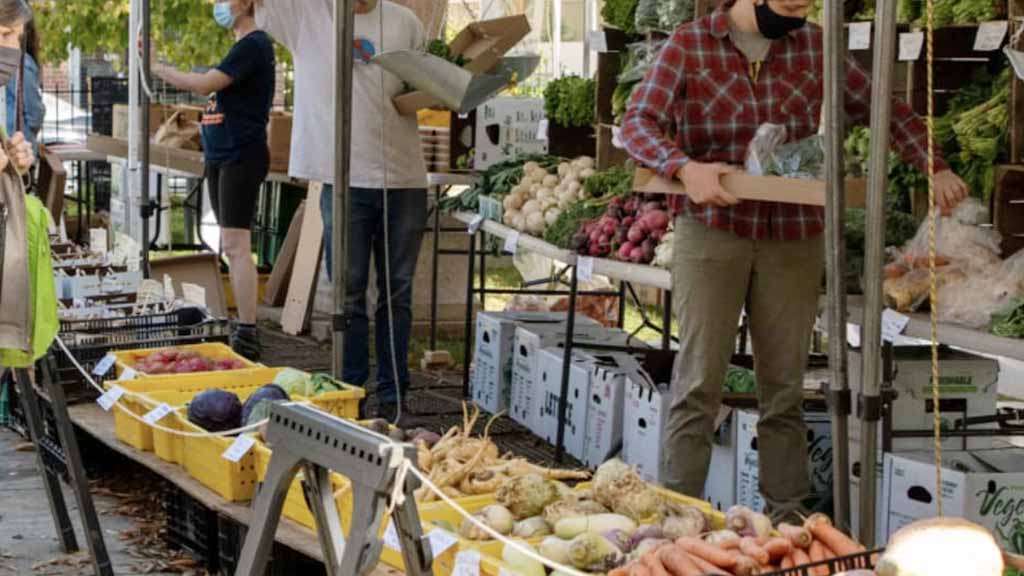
<point>28,539</point>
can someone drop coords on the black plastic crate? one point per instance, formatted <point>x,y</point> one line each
<point>191,527</point>
<point>861,561</point>
<point>283,560</point>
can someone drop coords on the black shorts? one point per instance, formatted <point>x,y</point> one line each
<point>235,188</point>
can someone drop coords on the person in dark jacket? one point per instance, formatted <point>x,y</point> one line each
<point>34,109</point>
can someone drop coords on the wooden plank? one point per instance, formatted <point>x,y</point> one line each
<point>185,161</point>
<point>761,188</point>
<point>52,180</point>
<point>1008,208</point>
<point>302,284</point>
<point>100,425</point>
<point>1016,135</point>
<point>607,154</point>
<point>609,66</point>
<point>281,275</point>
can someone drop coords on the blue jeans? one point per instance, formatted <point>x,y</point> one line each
<point>407,219</point>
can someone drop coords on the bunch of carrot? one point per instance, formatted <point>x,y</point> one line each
<point>816,541</point>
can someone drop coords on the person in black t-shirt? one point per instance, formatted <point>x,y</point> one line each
<point>241,91</point>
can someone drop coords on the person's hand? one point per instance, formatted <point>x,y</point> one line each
<point>20,153</point>
<point>703,183</point>
<point>949,190</point>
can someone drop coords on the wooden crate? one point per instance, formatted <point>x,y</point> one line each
<point>1008,207</point>
<point>571,142</point>
<point>609,66</point>
<point>955,61</point>
<point>607,154</point>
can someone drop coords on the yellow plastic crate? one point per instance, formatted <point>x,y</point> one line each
<point>295,507</point>
<point>215,350</point>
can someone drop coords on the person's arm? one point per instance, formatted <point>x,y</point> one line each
<point>204,84</point>
<point>648,119</point>
<point>908,132</point>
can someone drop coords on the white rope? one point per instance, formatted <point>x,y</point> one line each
<point>527,551</point>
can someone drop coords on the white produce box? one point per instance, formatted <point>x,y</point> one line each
<point>508,127</point>
<point>720,486</point>
<point>606,405</point>
<point>549,365</point>
<point>648,397</point>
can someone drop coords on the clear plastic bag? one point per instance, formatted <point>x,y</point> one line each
<point>957,239</point>
<point>662,15</point>
<point>762,147</point>
<point>973,301</point>
<point>803,159</point>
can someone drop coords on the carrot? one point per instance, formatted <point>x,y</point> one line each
<point>750,548</point>
<point>677,561</point>
<point>745,566</point>
<point>817,554</point>
<point>710,552</point>
<point>778,547</point>
<point>652,560</point>
<point>800,557</point>
<point>787,562</point>
<point>621,570</point>
<point>798,535</point>
<point>706,567</point>
<point>821,528</point>
<point>733,544</point>
<point>639,569</point>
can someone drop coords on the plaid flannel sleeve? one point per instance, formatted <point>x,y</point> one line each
<point>909,132</point>
<point>648,117</point>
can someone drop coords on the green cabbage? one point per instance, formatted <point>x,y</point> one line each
<point>294,382</point>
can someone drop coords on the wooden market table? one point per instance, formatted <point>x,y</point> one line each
<point>100,425</point>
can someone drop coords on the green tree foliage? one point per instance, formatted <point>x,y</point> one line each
<point>184,33</point>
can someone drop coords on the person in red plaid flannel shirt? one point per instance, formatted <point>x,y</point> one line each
<point>715,81</point>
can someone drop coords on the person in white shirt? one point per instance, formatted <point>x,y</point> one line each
<point>386,163</point>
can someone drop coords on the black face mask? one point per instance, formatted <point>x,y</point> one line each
<point>774,25</point>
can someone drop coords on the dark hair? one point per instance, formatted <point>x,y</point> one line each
<point>32,40</point>
<point>14,12</point>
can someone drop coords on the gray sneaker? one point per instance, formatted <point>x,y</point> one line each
<point>245,341</point>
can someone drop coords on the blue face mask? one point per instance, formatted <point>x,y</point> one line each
<point>222,14</point>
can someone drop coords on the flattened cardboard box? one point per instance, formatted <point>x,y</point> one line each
<point>483,44</point>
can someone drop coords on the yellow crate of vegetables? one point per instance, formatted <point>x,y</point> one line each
<point>173,362</point>
<point>335,398</point>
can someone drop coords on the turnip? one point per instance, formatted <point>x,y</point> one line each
<point>551,216</point>
<point>519,223</point>
<point>573,185</point>
<point>586,173</point>
<point>535,222</point>
<point>530,167</point>
<point>595,235</point>
<point>550,181</point>
<point>563,169</point>
<point>530,207</point>
<point>658,234</point>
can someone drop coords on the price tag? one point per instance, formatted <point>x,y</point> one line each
<point>598,41</point>
<point>853,335</point>
<point>910,46</point>
<point>475,223</point>
<point>240,447</point>
<point>194,294</point>
<point>98,239</point>
<point>860,35</point>
<point>168,287</point>
<point>391,538</point>
<point>110,397</point>
<point>127,374</point>
<point>512,242</point>
<point>990,36</point>
<point>441,541</point>
<point>467,563</point>
<point>893,324</point>
<point>104,365</point>
<point>542,130</point>
<point>584,268</point>
<point>157,414</point>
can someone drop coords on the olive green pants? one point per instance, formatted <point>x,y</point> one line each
<point>714,275</point>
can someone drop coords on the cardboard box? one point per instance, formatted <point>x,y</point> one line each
<point>606,405</point>
<point>549,365</point>
<point>507,127</point>
<point>490,381</point>
<point>528,340</point>
<point>648,397</point>
<point>968,387</point>
<point>819,453</point>
<point>483,44</point>
<point>157,115</point>
<point>763,188</point>
<point>720,486</point>
<point>279,140</point>
<point>982,486</point>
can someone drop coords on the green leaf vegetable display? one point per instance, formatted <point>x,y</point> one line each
<point>947,12</point>
<point>495,181</point>
<point>620,14</point>
<point>440,48</point>
<point>904,179</point>
<point>980,135</point>
<point>600,188</point>
<point>635,63</point>
<point>569,101</point>
<point>1010,324</point>
<point>662,15</point>
<point>899,228</point>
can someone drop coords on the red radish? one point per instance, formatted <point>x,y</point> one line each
<point>628,221</point>
<point>656,219</point>
<point>625,250</point>
<point>636,234</point>
<point>636,254</point>
<point>658,234</point>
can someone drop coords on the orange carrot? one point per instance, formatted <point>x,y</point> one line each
<point>653,562</point>
<point>745,566</point>
<point>798,535</point>
<point>787,562</point>
<point>800,557</point>
<point>639,569</point>
<point>750,548</point>
<point>817,554</point>
<point>707,567</point>
<point>821,528</point>
<point>677,561</point>
<point>733,544</point>
<point>709,552</point>
<point>778,547</point>
<point>621,570</point>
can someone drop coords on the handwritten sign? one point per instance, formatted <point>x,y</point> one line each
<point>110,397</point>
<point>585,268</point>
<point>910,46</point>
<point>990,36</point>
<point>157,414</point>
<point>240,447</point>
<point>860,35</point>
<point>512,242</point>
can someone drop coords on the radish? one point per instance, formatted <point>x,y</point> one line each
<point>628,221</point>
<point>625,250</point>
<point>656,219</point>
<point>635,234</point>
<point>636,254</point>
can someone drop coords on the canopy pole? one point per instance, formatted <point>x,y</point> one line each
<point>144,136</point>
<point>871,326</point>
<point>344,24</point>
<point>835,257</point>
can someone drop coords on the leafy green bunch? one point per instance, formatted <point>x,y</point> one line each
<point>620,14</point>
<point>440,48</point>
<point>569,101</point>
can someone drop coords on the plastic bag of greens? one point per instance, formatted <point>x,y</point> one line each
<point>641,56</point>
<point>662,15</point>
<point>801,159</point>
<point>762,147</point>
